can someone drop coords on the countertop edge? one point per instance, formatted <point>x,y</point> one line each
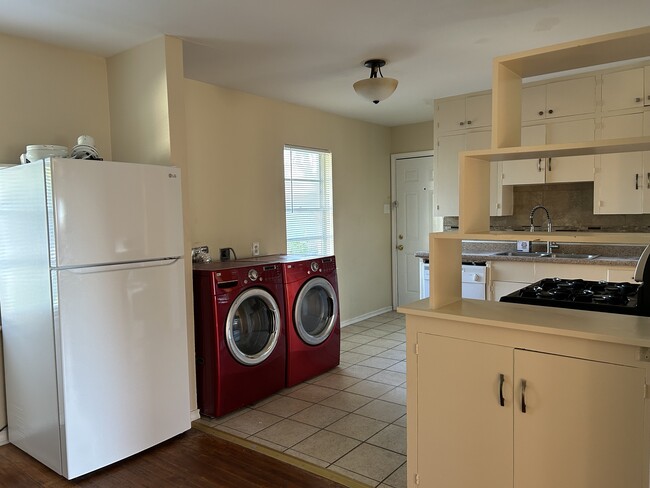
<point>627,330</point>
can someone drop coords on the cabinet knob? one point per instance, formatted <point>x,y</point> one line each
<point>400,247</point>
<point>540,113</point>
<point>462,123</point>
<point>550,111</point>
<point>469,122</point>
<point>637,99</point>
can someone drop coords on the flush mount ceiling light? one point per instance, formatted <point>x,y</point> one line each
<point>375,89</point>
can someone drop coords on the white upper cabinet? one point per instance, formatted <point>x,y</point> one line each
<point>622,180</point>
<point>559,99</point>
<point>552,170</point>
<point>464,113</point>
<point>623,89</point>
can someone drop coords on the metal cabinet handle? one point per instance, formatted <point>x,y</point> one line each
<point>636,181</point>
<point>648,180</point>
<point>469,122</point>
<point>549,164</point>
<point>550,111</point>
<point>523,396</point>
<point>461,123</point>
<point>502,400</point>
<point>541,112</point>
<point>637,99</point>
<point>539,165</point>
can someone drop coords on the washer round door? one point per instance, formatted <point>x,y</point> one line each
<point>252,326</point>
<point>315,311</point>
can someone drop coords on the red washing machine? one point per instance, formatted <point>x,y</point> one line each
<point>312,311</point>
<point>239,334</point>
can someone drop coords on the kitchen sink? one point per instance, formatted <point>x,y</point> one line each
<point>524,254</point>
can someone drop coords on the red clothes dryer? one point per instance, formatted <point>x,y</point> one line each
<point>313,318</point>
<point>239,334</point>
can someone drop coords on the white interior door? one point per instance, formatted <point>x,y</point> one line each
<point>414,218</point>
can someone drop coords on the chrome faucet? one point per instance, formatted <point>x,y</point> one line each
<point>549,225</point>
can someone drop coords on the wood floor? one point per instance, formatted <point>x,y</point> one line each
<point>193,459</point>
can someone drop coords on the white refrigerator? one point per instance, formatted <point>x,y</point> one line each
<point>92,300</point>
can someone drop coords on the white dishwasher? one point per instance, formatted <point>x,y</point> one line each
<point>473,280</point>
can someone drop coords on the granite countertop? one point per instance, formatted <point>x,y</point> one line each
<point>612,255</point>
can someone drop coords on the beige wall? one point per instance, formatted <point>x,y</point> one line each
<point>412,137</point>
<point>235,159</point>
<point>49,95</point>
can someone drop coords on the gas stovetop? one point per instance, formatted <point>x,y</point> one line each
<point>601,296</point>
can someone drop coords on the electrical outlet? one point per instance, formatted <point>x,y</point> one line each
<point>224,254</point>
<point>255,248</point>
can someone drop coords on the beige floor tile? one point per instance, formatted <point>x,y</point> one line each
<point>401,421</point>
<point>231,415</point>
<point>393,354</point>
<point>369,388</point>
<point>396,336</point>
<point>401,347</point>
<point>264,401</point>
<point>353,357</point>
<point>316,379</point>
<point>390,327</point>
<point>378,362</point>
<point>338,381</point>
<point>397,395</point>
<point>377,319</point>
<point>361,339</point>
<point>289,391</point>
<point>382,410</point>
<point>384,343</point>
<point>359,371</point>
<point>287,433</point>
<point>399,367</point>
<point>368,350</point>
<point>393,438</point>
<point>353,475</point>
<point>346,401</point>
<point>356,328</point>
<point>398,478</point>
<point>326,446</point>
<point>313,393</point>
<point>285,406</point>
<point>269,444</point>
<point>357,427</point>
<point>399,321</point>
<point>347,345</point>
<point>252,422</point>
<point>305,457</point>
<point>375,333</point>
<point>319,415</point>
<point>389,377</point>
<point>371,461</point>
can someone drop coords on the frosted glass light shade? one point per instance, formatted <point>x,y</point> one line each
<point>375,89</point>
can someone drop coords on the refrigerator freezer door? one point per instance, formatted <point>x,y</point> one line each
<point>123,374</point>
<point>108,212</point>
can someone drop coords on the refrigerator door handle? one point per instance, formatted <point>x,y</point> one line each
<point>116,267</point>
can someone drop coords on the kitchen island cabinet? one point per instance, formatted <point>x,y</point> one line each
<point>500,395</point>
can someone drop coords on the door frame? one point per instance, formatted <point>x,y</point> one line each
<point>393,217</point>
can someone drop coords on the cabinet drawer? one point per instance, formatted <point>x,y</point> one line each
<point>621,274</point>
<point>511,271</point>
<point>566,270</point>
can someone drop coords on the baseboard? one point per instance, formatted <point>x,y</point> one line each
<point>366,316</point>
<point>4,437</point>
<point>195,415</point>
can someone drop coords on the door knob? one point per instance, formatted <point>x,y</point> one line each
<point>400,248</point>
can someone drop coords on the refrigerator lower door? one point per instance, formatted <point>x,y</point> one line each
<point>123,360</point>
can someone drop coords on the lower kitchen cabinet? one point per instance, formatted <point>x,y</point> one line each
<point>496,416</point>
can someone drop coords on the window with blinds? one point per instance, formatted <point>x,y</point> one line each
<point>308,201</point>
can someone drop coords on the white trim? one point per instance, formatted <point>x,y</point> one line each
<point>345,323</point>
<point>4,437</point>
<point>393,217</point>
<point>195,415</point>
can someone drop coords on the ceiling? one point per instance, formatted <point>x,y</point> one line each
<point>310,52</point>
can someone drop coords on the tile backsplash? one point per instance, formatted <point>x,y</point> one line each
<point>570,206</point>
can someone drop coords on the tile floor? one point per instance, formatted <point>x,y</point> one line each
<point>351,420</point>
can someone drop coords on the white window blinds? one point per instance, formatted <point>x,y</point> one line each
<point>308,201</point>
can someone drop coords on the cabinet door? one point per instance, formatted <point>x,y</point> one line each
<point>501,288</point>
<point>618,181</point>
<point>574,168</point>
<point>646,84</point>
<point>583,424</point>
<point>623,89</point>
<point>464,434</point>
<point>445,175</point>
<point>533,103</point>
<point>526,171</point>
<point>571,97</point>
<point>450,115</point>
<point>478,111</point>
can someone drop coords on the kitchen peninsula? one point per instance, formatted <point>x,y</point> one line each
<point>510,395</point>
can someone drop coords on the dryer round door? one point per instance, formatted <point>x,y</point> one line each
<point>253,326</point>
<point>315,311</point>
